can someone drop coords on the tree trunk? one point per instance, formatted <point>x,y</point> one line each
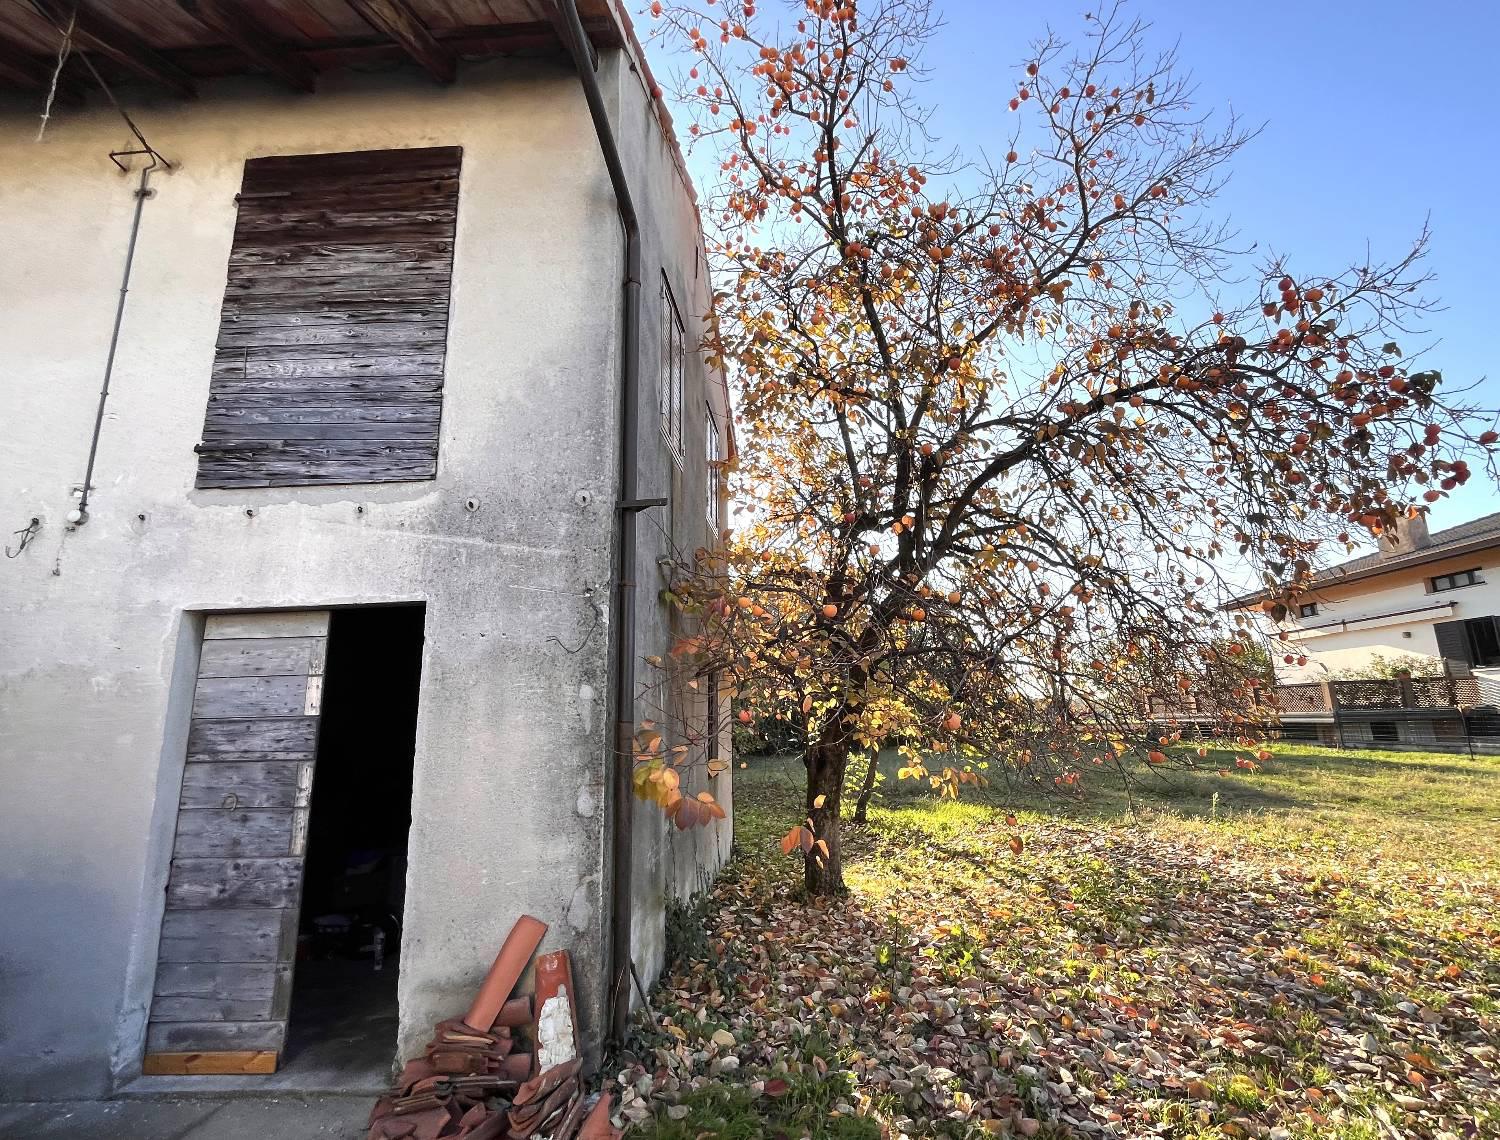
<point>823,866</point>
<point>862,804</point>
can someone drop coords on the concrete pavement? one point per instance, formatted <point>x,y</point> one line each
<point>289,1117</point>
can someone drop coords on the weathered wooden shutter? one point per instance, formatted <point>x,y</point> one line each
<point>229,935</point>
<point>329,364</point>
<point>1453,641</point>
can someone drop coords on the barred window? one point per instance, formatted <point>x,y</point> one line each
<point>711,435</point>
<point>673,340</point>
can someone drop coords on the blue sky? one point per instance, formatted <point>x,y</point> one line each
<point>1377,114</point>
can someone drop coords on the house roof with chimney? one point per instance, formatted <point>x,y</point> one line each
<point>1412,545</point>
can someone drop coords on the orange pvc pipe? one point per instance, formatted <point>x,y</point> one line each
<point>506,971</point>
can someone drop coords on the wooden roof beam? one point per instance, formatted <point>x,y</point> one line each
<point>95,32</point>
<point>394,19</point>
<point>22,69</point>
<point>232,21</point>
<point>19,68</point>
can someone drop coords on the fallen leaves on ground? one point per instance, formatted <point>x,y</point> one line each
<point>1106,981</point>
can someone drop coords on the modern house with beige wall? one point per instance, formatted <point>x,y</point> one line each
<point>352,405</point>
<point>1432,597</point>
<point>1399,648</point>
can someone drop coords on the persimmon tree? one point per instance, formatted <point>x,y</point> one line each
<point>1012,430</point>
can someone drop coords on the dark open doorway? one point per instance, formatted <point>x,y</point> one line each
<point>343,1011</point>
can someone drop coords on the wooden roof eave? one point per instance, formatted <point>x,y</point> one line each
<point>175,45</point>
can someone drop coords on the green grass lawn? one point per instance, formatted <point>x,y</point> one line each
<point>1311,950</point>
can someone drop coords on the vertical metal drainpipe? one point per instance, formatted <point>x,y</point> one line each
<point>142,192</point>
<point>626,508</point>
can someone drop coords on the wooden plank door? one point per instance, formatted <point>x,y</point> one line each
<point>229,934</point>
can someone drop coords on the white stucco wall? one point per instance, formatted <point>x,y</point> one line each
<point>1391,615</point>
<point>98,625</point>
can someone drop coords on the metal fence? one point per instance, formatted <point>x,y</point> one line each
<point>1299,698</point>
<point>1441,691</point>
<point>1446,710</point>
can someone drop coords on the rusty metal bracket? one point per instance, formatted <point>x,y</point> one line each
<point>640,504</point>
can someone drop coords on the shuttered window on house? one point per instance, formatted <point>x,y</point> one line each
<point>1453,641</point>
<point>329,362</point>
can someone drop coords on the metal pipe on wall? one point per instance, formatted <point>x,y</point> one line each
<point>626,509</point>
<point>80,514</point>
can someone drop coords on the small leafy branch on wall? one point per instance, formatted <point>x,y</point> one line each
<point>1012,433</point>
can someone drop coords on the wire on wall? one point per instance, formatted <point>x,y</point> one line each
<point>63,51</point>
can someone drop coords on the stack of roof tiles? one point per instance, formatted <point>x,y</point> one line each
<point>475,1081</point>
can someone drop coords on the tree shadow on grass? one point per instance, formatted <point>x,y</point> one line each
<point>1262,948</point>
<point>1173,944</point>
